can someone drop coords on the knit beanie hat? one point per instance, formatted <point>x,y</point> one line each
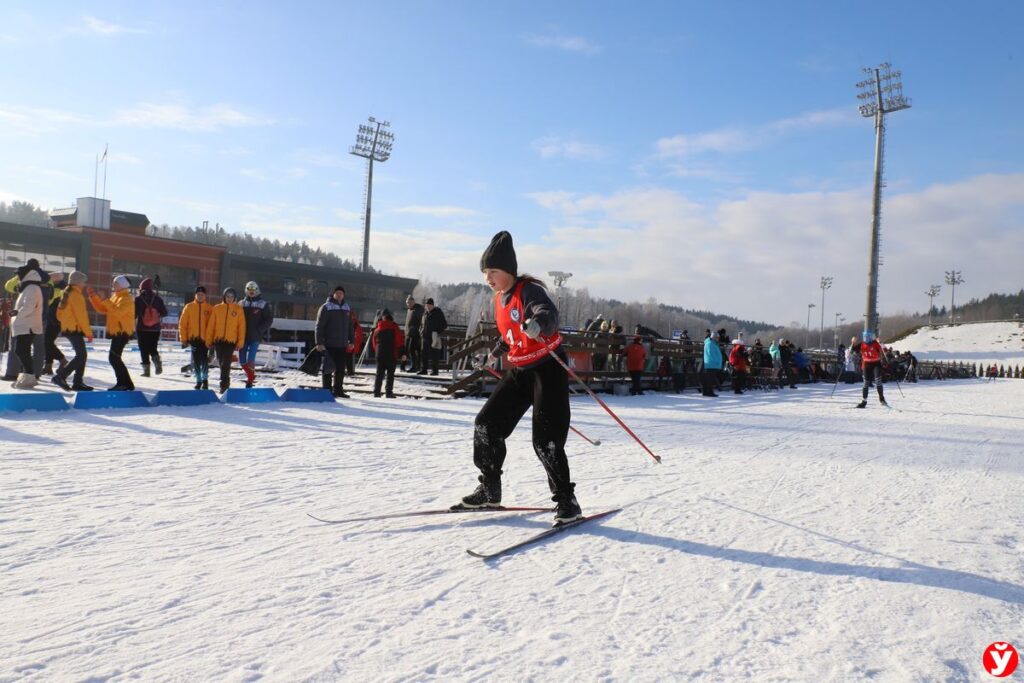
<point>231,291</point>
<point>200,288</point>
<point>339,288</point>
<point>77,277</point>
<point>121,282</point>
<point>500,254</point>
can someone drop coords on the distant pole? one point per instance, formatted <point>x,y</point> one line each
<point>807,335</point>
<point>106,161</point>
<point>882,94</point>
<point>373,143</point>
<point>835,333</point>
<point>953,279</point>
<point>826,283</point>
<point>932,292</point>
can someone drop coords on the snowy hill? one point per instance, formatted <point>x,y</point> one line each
<point>1000,343</point>
<point>783,539</point>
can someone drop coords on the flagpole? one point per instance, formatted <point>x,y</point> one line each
<point>105,162</point>
<point>96,176</point>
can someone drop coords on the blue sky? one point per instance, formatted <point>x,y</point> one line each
<point>707,154</point>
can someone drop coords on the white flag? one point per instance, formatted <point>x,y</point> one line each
<point>104,157</point>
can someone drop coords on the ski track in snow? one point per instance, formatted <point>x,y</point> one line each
<point>781,539</point>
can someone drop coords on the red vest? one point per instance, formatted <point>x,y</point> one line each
<point>522,349</point>
<point>870,353</point>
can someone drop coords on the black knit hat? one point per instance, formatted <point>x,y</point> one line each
<point>339,288</point>
<point>500,254</point>
<point>200,288</point>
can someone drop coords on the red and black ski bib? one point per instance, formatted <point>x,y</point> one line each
<point>870,353</point>
<point>509,318</point>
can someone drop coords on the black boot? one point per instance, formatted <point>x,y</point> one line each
<point>862,404</point>
<point>145,369</point>
<point>60,382</point>
<point>567,510</point>
<point>486,495</point>
<point>206,384</point>
<point>158,365</point>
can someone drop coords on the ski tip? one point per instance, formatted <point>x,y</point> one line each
<point>474,553</point>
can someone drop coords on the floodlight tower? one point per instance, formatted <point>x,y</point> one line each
<point>807,335</point>
<point>932,292</point>
<point>373,143</point>
<point>826,283</point>
<point>882,93</point>
<point>560,279</point>
<point>952,279</point>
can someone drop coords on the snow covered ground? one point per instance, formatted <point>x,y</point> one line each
<point>784,538</point>
<point>999,343</point>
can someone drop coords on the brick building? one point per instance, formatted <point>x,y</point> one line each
<point>104,242</point>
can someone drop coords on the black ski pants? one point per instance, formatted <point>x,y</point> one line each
<point>200,360</point>
<point>739,381</point>
<point>23,350</point>
<point>385,367</point>
<point>545,387</point>
<point>431,357</point>
<point>52,352</point>
<point>872,371</point>
<point>148,341</point>
<point>225,351</point>
<point>338,357</point>
<point>77,364</point>
<point>414,344</point>
<point>121,376</point>
<point>635,376</point>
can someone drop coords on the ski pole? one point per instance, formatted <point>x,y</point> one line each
<point>840,369</point>
<point>897,380</point>
<point>594,442</point>
<point>657,458</point>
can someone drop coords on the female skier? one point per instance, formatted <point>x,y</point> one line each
<point>527,322</point>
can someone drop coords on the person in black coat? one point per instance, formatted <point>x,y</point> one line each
<point>388,345</point>
<point>335,339</point>
<point>149,314</point>
<point>413,339</point>
<point>259,316</point>
<point>433,325</point>
<point>52,325</point>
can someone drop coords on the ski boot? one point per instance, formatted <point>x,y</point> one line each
<point>486,495</point>
<point>862,404</point>
<point>568,510</point>
<point>145,369</point>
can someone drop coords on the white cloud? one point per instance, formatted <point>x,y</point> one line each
<point>124,158</point>
<point>553,146</point>
<point>564,43</point>
<point>436,211</point>
<point>37,119</point>
<point>144,115</point>
<point>181,117</point>
<point>739,139</point>
<point>254,173</point>
<point>761,256</point>
<point>99,27</point>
